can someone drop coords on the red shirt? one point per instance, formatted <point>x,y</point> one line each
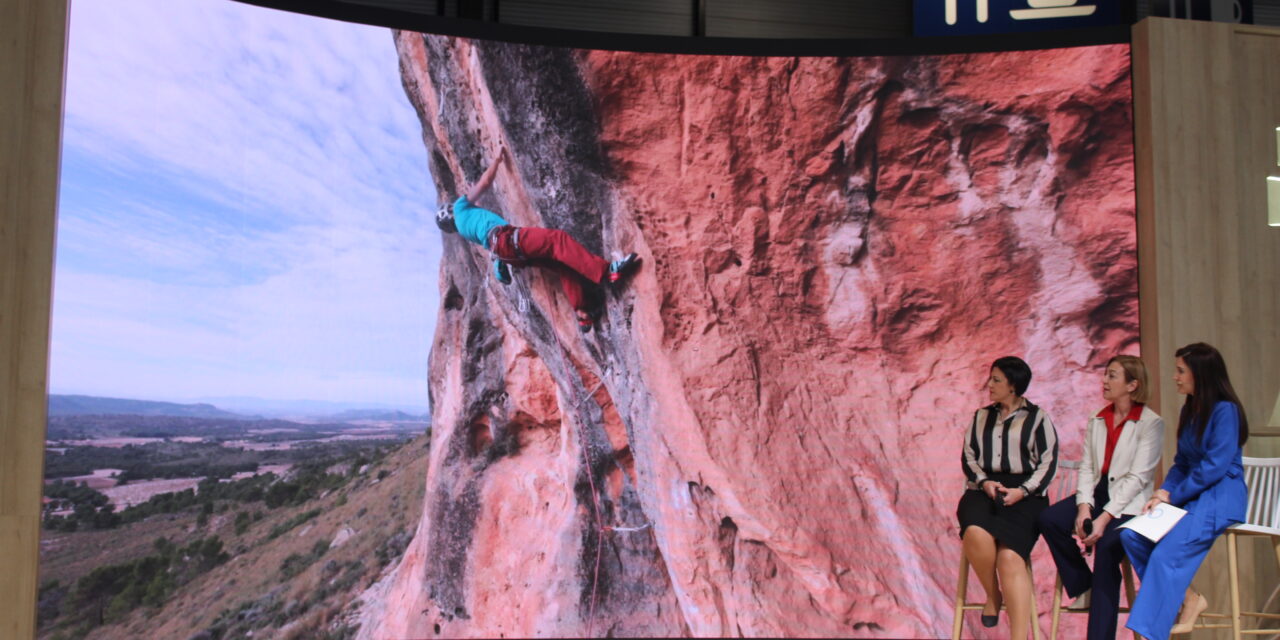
<point>1113,430</point>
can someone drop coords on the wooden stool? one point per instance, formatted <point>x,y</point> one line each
<point>962,603</point>
<point>1262,477</point>
<point>1058,608</point>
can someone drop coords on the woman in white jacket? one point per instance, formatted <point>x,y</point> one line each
<point>1122,446</point>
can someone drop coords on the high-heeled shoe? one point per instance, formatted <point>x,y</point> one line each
<point>1191,610</point>
<point>990,621</point>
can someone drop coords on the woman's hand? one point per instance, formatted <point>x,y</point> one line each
<point>989,488</point>
<point>1082,516</point>
<point>1012,496</point>
<point>1159,497</point>
<point>1099,527</point>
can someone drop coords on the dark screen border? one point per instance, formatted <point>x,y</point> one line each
<point>697,45</point>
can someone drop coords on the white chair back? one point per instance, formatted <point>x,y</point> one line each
<point>1262,477</point>
<point>1063,484</point>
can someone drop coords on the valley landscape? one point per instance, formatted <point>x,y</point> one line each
<point>193,522</point>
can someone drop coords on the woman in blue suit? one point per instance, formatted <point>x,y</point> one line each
<point>1207,480</point>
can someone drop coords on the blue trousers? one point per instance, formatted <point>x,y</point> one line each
<point>1057,525</point>
<point>1166,569</point>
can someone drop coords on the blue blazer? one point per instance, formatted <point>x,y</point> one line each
<point>1207,477</point>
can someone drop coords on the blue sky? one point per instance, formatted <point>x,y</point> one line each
<point>245,209</point>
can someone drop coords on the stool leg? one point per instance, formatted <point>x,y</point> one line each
<point>1275,542</point>
<point>1035,611</point>
<point>1234,567</point>
<point>1057,608</point>
<point>962,592</point>
<point>1126,570</point>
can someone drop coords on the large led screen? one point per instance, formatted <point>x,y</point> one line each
<point>754,429</point>
<point>762,434</point>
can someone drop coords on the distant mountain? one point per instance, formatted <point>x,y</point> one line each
<point>312,409</point>
<point>378,414</point>
<point>87,427</point>
<point>71,405</point>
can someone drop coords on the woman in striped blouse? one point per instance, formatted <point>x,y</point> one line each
<point>1010,455</point>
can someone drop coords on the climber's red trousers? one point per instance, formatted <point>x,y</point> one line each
<point>552,249</point>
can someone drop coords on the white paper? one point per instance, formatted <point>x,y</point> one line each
<point>1156,522</point>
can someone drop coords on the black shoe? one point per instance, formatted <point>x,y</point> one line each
<point>594,313</point>
<point>990,621</point>
<point>619,269</point>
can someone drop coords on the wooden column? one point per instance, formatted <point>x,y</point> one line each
<point>32,59</point>
<point>1207,102</point>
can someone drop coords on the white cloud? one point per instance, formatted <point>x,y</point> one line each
<point>279,242</point>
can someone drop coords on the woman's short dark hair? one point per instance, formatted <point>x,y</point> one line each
<point>1017,371</point>
<point>1212,385</point>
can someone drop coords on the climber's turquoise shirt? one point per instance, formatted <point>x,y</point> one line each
<point>473,222</point>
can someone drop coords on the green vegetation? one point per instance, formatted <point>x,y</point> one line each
<point>106,579</point>
<point>297,562</point>
<point>244,519</point>
<point>90,508</point>
<point>208,458</point>
<point>393,547</point>
<point>68,495</point>
<point>84,427</point>
<point>92,511</point>
<point>159,460</point>
<point>271,611</point>
<point>310,478</point>
<point>285,526</point>
<point>110,592</point>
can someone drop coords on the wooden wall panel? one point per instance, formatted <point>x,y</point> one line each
<point>32,59</point>
<point>1207,101</point>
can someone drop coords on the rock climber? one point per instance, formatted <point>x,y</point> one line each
<point>551,249</point>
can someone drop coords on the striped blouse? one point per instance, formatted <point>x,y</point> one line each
<point>1024,443</point>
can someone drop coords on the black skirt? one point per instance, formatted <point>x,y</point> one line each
<point>1012,526</point>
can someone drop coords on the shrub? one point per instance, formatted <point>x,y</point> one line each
<point>285,526</point>
<point>242,522</point>
<point>298,562</point>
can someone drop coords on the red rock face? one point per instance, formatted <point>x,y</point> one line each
<point>763,436</point>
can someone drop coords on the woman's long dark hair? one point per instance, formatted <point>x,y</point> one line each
<point>1212,385</point>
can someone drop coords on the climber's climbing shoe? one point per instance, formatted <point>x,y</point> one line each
<point>618,269</point>
<point>587,319</point>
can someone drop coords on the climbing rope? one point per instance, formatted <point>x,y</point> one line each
<point>595,507</point>
<point>601,527</point>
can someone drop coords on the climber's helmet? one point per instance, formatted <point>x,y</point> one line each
<point>444,219</point>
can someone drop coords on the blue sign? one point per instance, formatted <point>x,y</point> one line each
<point>970,17</point>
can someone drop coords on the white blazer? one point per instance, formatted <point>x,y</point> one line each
<point>1133,463</point>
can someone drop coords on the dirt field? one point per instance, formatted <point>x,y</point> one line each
<point>100,479</point>
<point>278,469</point>
<point>285,445</point>
<point>142,490</point>
<point>114,443</point>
